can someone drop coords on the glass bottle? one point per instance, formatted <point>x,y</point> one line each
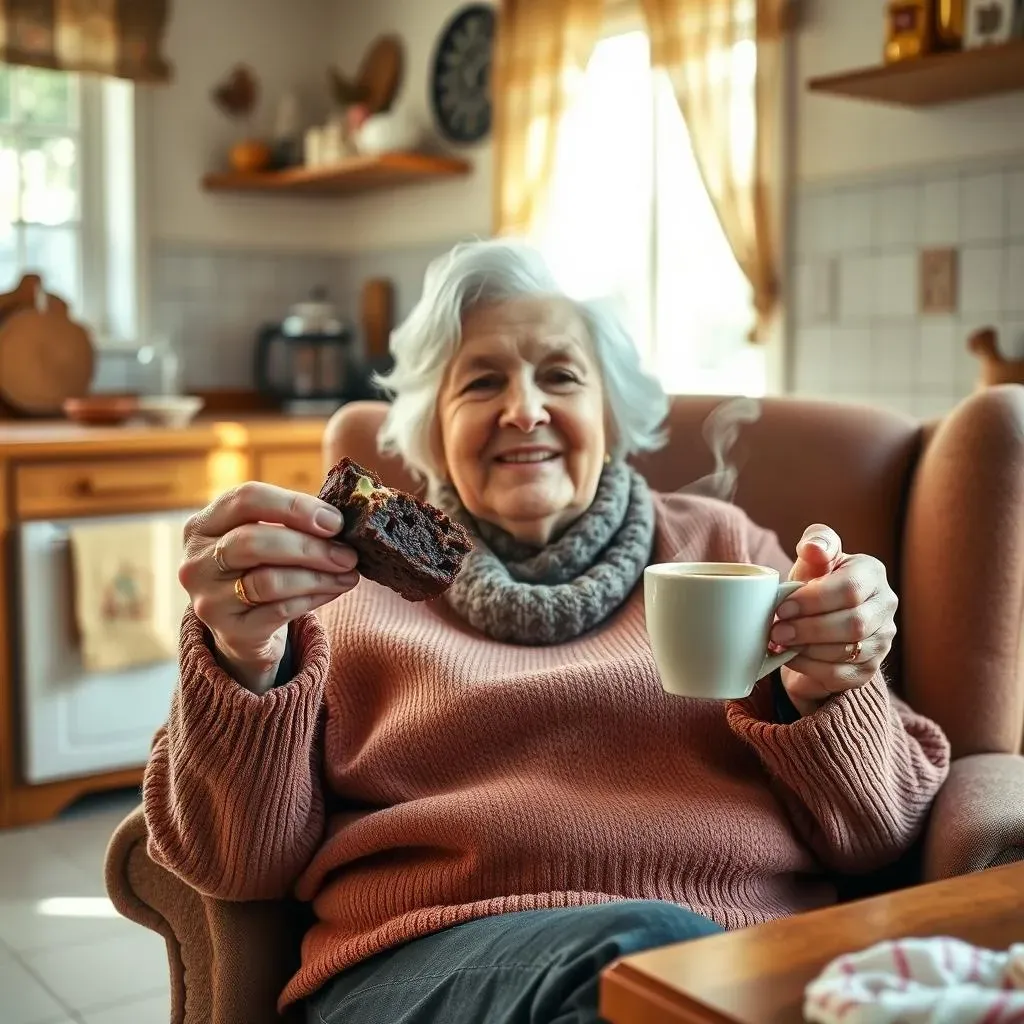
<point>949,27</point>
<point>910,29</point>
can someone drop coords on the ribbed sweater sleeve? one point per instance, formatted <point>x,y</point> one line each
<point>859,774</point>
<point>232,792</point>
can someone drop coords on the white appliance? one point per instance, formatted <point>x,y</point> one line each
<point>75,722</point>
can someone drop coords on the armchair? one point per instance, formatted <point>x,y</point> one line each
<point>941,504</point>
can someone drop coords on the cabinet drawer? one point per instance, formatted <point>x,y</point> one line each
<point>60,489</point>
<point>298,470</point>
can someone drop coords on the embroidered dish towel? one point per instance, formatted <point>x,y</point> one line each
<point>128,601</point>
<point>920,981</point>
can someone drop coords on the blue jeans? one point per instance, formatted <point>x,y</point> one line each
<point>533,967</point>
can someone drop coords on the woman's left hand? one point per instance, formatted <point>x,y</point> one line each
<point>843,618</point>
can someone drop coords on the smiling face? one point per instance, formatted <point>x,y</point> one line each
<point>521,417</point>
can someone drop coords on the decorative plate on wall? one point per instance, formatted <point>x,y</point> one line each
<point>460,80</point>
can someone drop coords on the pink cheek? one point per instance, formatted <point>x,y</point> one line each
<point>576,431</point>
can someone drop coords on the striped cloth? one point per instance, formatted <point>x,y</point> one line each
<point>920,981</point>
<point>122,38</point>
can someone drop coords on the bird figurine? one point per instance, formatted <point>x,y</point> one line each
<point>236,96</point>
<point>995,367</point>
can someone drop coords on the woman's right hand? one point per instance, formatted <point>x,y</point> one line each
<point>277,544</point>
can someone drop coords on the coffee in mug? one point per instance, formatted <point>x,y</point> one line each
<point>709,623</point>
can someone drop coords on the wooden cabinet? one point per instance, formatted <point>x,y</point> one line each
<point>296,470</point>
<point>87,486</point>
<point>54,472</point>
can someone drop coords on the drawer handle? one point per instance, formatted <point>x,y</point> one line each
<point>90,489</point>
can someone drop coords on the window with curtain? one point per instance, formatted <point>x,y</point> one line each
<point>67,212</point>
<point>629,217</point>
<point>40,178</point>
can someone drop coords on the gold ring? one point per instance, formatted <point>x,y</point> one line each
<point>242,595</point>
<point>218,557</point>
<point>853,652</point>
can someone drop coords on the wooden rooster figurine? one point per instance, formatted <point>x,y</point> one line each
<point>995,367</point>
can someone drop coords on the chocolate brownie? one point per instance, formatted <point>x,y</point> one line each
<point>402,542</point>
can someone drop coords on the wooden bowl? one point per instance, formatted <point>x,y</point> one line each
<point>101,410</point>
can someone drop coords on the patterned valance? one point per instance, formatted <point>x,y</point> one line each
<point>122,38</point>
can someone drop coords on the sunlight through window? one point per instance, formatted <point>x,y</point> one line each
<point>76,906</point>
<point>630,219</point>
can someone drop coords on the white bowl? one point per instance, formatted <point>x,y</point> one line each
<point>392,132</point>
<point>170,410</point>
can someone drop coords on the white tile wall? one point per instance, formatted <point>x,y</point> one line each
<point>857,329</point>
<point>894,215</point>
<point>983,207</point>
<point>815,366</point>
<point>981,280</point>
<point>893,357</point>
<point>1015,186</point>
<point>851,359</point>
<point>211,304</point>
<point>1013,279</point>
<point>856,288</point>
<point>895,285</point>
<point>866,340</point>
<point>1013,339</point>
<point>940,213</point>
<point>939,343</point>
<point>852,229</point>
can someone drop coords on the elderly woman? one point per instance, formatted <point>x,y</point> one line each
<point>488,797</point>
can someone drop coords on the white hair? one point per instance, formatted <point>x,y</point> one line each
<point>482,273</point>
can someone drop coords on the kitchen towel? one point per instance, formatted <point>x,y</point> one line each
<point>920,981</point>
<point>128,601</point>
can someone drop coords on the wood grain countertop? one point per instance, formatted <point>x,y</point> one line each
<point>51,438</point>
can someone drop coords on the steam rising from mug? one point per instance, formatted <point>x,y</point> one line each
<point>721,431</point>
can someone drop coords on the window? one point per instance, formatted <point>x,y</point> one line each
<point>629,217</point>
<point>67,199</point>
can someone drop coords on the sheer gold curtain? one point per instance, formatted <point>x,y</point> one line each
<point>715,52</point>
<point>542,50</point>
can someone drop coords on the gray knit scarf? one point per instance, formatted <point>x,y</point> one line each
<point>516,594</point>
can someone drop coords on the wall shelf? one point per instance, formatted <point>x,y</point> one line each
<point>940,78</point>
<point>356,175</point>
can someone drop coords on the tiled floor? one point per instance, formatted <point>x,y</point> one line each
<point>66,957</point>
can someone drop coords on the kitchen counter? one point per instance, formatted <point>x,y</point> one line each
<point>58,471</point>
<point>19,438</point>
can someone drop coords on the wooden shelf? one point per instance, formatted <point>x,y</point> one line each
<point>933,80</point>
<point>358,174</point>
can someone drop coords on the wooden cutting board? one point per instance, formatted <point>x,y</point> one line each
<point>45,357</point>
<point>380,74</point>
<point>23,296</point>
<point>377,316</point>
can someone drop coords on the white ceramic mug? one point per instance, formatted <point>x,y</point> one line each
<point>708,623</point>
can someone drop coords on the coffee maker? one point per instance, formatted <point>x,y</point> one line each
<point>309,362</point>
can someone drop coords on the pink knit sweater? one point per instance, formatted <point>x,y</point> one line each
<point>415,774</point>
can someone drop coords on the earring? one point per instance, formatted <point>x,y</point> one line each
<point>607,458</point>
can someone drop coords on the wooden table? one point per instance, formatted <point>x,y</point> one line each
<point>758,975</point>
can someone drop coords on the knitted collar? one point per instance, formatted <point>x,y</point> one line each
<point>518,594</point>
